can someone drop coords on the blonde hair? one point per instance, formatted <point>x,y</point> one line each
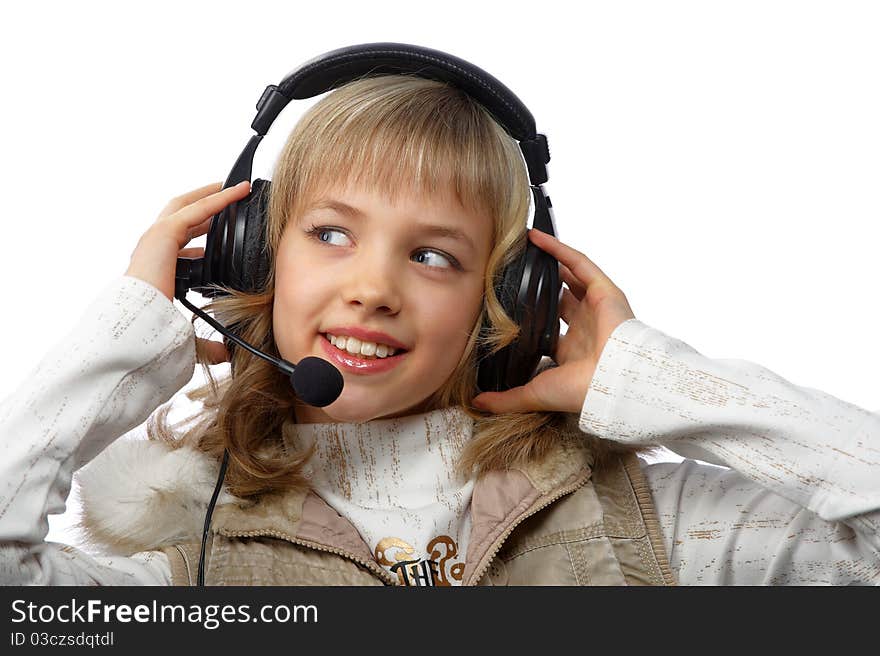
<point>391,133</point>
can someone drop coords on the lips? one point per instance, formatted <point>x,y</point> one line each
<point>358,365</point>
<point>361,348</point>
<point>366,335</point>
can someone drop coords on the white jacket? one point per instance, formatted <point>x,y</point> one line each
<point>795,501</point>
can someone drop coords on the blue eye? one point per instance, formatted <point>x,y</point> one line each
<point>425,256</point>
<point>324,234</point>
<point>421,260</point>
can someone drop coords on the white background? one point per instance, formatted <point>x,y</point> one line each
<point>718,160</point>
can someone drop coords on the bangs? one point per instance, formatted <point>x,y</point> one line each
<point>397,135</point>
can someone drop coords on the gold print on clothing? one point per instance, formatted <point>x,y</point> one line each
<point>436,570</point>
<point>386,545</point>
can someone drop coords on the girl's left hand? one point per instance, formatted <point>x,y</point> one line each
<point>592,306</point>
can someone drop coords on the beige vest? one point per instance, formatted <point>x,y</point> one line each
<point>559,522</point>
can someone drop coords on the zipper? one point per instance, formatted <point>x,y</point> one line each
<point>490,555</point>
<point>384,575</point>
<point>370,565</point>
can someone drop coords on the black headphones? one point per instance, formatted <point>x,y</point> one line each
<point>528,288</point>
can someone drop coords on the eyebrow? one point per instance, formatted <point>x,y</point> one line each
<point>428,228</point>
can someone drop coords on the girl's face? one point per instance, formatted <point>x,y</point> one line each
<point>374,275</point>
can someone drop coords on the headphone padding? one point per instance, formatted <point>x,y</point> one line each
<point>254,255</point>
<point>493,369</point>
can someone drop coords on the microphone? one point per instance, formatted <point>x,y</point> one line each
<point>315,381</point>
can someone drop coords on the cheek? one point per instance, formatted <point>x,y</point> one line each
<point>297,300</point>
<point>298,296</point>
<point>447,320</point>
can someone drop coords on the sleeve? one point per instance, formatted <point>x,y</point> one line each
<point>130,352</point>
<point>795,497</point>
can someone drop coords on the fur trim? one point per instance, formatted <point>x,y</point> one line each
<point>571,454</point>
<point>140,494</point>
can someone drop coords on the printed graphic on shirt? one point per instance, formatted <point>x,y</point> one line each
<point>440,568</point>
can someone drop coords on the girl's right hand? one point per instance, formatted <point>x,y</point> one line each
<point>154,259</point>
<point>592,306</point>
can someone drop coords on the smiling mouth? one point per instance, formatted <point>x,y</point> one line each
<point>360,364</point>
<point>356,348</point>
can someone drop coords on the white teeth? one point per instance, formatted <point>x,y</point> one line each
<point>353,346</point>
<point>357,347</point>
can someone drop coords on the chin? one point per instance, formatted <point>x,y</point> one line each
<point>357,413</point>
<point>350,414</point>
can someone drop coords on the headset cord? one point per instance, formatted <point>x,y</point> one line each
<point>220,477</point>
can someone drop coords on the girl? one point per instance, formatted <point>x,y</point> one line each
<point>393,205</point>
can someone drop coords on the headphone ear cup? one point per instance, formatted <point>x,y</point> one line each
<point>254,266</point>
<point>236,254</point>
<point>542,298</point>
<point>529,293</point>
<point>492,372</point>
<point>237,250</point>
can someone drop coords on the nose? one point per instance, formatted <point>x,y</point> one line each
<point>373,284</point>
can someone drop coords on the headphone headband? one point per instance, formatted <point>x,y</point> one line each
<point>337,67</point>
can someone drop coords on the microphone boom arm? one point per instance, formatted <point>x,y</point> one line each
<point>282,364</point>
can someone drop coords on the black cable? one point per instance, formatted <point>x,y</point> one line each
<point>220,477</point>
<point>284,365</point>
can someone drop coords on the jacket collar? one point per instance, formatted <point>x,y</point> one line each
<point>504,498</point>
<point>120,510</point>
<point>501,499</point>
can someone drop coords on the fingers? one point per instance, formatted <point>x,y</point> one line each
<point>213,352</point>
<point>573,283</point>
<point>203,209</point>
<point>183,200</point>
<point>568,306</point>
<point>195,219</point>
<point>518,399</point>
<point>200,229</point>
<point>559,353</point>
<point>584,270</point>
<point>195,251</point>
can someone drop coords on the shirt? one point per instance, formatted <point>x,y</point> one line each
<point>795,500</point>
<point>395,481</point>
